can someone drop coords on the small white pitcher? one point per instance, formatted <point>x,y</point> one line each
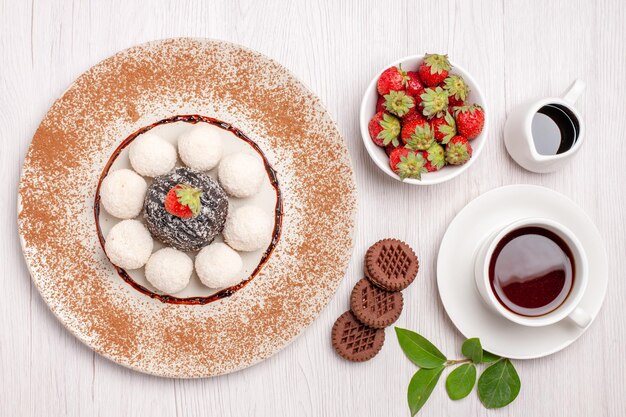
<point>518,135</point>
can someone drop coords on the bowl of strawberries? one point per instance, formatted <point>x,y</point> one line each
<point>423,119</point>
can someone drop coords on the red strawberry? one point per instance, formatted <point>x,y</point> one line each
<point>384,129</point>
<point>389,148</point>
<point>417,134</point>
<point>414,85</point>
<point>183,201</point>
<point>407,163</point>
<point>398,102</point>
<point>458,151</point>
<point>453,102</point>
<point>434,69</point>
<point>394,156</point>
<point>470,120</point>
<point>412,114</point>
<point>444,128</point>
<point>380,104</point>
<point>418,102</point>
<point>435,157</point>
<point>457,90</point>
<point>393,78</point>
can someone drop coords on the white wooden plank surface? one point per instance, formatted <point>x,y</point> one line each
<point>516,49</point>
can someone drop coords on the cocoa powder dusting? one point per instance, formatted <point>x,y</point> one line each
<point>137,87</point>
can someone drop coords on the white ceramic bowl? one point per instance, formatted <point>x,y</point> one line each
<point>378,155</point>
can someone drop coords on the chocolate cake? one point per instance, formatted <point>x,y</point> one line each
<point>186,234</point>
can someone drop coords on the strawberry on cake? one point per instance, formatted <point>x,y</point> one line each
<point>185,209</point>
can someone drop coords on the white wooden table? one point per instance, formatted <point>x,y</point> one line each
<point>516,49</point>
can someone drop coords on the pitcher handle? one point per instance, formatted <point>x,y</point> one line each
<point>574,91</point>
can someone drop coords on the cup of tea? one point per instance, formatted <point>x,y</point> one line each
<point>533,272</point>
<point>542,135</point>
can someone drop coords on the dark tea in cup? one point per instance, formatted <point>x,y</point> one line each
<point>532,271</point>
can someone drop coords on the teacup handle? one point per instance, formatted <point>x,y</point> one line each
<point>580,317</point>
<point>574,91</point>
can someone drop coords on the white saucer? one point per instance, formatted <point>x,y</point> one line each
<point>455,269</point>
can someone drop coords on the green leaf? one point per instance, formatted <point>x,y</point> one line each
<point>489,357</point>
<point>421,386</point>
<point>473,350</point>
<point>190,197</point>
<point>461,381</point>
<point>499,385</point>
<point>419,350</point>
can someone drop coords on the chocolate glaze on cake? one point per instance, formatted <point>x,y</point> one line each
<point>186,234</point>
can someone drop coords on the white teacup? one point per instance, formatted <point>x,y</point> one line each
<point>569,308</point>
<point>518,133</point>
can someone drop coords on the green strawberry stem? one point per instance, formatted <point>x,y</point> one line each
<point>391,129</point>
<point>190,197</point>
<point>434,102</point>
<point>456,87</point>
<point>448,129</point>
<point>411,166</point>
<point>398,102</point>
<point>437,63</point>
<point>421,138</point>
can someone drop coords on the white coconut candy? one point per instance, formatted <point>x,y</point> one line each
<point>248,228</point>
<point>241,174</point>
<point>169,270</point>
<point>218,266</point>
<point>151,155</point>
<point>122,193</point>
<point>129,244</point>
<point>200,147</point>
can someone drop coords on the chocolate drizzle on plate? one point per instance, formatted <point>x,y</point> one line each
<point>278,211</point>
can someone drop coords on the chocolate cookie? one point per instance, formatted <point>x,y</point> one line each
<point>374,306</point>
<point>355,341</point>
<point>391,264</point>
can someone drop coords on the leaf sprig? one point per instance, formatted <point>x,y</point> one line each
<point>498,385</point>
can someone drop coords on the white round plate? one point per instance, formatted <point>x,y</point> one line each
<point>455,269</point>
<point>178,82</point>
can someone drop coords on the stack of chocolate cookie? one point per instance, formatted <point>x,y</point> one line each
<point>376,301</point>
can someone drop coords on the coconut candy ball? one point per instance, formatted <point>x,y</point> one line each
<point>218,266</point>
<point>241,174</point>
<point>248,228</point>
<point>122,193</point>
<point>169,270</point>
<point>129,244</point>
<point>200,147</point>
<point>151,155</point>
